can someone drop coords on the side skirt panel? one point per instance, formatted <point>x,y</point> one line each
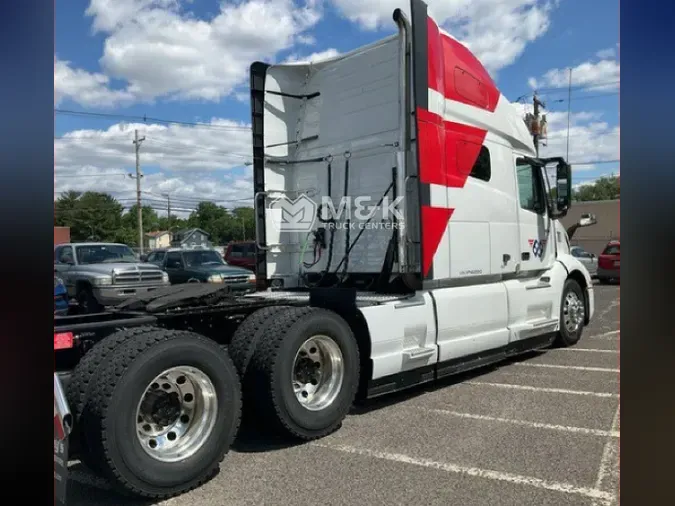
<point>407,379</point>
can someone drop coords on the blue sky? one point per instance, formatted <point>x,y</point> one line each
<point>187,61</point>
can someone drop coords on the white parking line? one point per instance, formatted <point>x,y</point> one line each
<point>525,423</point>
<point>608,457</point>
<point>591,350</point>
<point>520,374</point>
<point>606,335</point>
<point>571,367</point>
<point>568,488</point>
<point>606,311</point>
<point>542,389</point>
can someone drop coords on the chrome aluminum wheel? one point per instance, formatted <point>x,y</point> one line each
<point>573,312</point>
<point>318,372</point>
<point>176,414</point>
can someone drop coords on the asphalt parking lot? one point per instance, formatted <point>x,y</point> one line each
<point>542,430</point>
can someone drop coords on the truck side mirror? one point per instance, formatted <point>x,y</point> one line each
<point>563,188</point>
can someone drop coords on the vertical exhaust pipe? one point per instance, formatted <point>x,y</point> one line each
<point>403,153</point>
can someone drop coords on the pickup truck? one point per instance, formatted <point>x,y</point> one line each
<point>201,266</point>
<point>104,274</point>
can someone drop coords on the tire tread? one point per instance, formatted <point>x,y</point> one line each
<point>263,364</point>
<point>98,408</point>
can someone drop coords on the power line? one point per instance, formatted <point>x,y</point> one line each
<point>56,174</point>
<point>201,199</point>
<point>578,87</point>
<point>146,119</point>
<point>199,148</point>
<point>554,91</point>
<point>596,162</point>
<point>558,100</point>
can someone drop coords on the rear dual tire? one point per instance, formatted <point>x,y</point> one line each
<point>303,372</point>
<point>161,391</point>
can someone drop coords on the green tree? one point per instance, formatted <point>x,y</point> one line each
<point>605,188</point>
<point>91,216</point>
<point>130,221</point>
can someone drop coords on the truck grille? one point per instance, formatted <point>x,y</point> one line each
<point>231,280</point>
<point>137,276</point>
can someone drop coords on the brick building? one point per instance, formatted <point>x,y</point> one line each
<point>594,238</point>
<point>61,235</point>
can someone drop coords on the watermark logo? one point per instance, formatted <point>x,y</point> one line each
<point>294,215</point>
<point>300,214</point>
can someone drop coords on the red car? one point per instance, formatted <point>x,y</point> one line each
<point>241,254</point>
<point>609,262</point>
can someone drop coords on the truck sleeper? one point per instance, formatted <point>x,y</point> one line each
<point>473,267</point>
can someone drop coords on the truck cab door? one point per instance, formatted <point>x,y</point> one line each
<point>537,249</point>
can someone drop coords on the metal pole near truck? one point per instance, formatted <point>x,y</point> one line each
<point>137,144</point>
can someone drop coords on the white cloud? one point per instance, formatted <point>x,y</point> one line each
<point>590,138</point>
<point>605,54</point>
<point>314,57</point>
<point>86,88</point>
<point>497,32</point>
<point>600,75</point>
<point>160,50</point>
<point>194,162</point>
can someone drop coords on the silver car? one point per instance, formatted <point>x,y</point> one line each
<point>589,260</point>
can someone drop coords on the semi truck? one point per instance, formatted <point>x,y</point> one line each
<point>406,230</point>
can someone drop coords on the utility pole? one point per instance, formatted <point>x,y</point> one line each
<point>137,145</point>
<point>243,229</point>
<point>536,130</point>
<point>569,110</point>
<point>168,212</point>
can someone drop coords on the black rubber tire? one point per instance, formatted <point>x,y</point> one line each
<point>271,367</point>
<point>109,414</point>
<point>246,337</point>
<point>85,373</point>
<point>87,302</point>
<point>564,337</point>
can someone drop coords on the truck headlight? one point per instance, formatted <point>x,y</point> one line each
<point>251,278</point>
<point>103,281</point>
<point>215,278</point>
<point>165,277</point>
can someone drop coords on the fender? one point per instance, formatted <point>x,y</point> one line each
<point>576,270</point>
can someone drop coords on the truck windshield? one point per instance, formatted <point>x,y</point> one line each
<point>105,253</point>
<point>199,258</point>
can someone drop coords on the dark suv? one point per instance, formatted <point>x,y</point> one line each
<point>201,266</point>
<point>241,254</point>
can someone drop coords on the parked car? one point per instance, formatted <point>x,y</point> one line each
<point>609,262</point>
<point>241,254</point>
<point>61,302</point>
<point>201,266</point>
<point>589,260</point>
<point>104,274</point>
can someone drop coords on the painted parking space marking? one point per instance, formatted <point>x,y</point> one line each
<point>542,389</point>
<point>569,367</point>
<point>599,495</point>
<point>526,423</point>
